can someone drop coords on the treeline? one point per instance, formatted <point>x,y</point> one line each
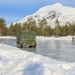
<point>41,28</point>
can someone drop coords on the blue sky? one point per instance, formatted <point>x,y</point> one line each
<point>15,10</point>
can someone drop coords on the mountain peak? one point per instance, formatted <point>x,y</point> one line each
<point>57,4</point>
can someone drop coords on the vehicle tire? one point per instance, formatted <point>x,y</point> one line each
<point>34,45</point>
<point>18,45</point>
<point>30,46</point>
<point>21,45</point>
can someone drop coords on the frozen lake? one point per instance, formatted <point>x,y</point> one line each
<point>57,49</point>
<point>63,50</point>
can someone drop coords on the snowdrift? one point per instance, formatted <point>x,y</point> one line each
<point>14,61</point>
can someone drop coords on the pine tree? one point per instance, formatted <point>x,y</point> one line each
<point>31,24</point>
<point>56,28</point>
<point>17,28</point>
<point>2,27</point>
<point>42,26</point>
<point>11,31</point>
<point>24,26</point>
<point>48,31</point>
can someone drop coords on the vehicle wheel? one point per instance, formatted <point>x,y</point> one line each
<point>21,45</point>
<point>30,46</point>
<point>18,45</point>
<point>34,45</point>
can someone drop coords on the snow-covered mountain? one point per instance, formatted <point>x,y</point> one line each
<point>64,14</point>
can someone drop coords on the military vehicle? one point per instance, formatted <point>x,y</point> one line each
<point>26,39</point>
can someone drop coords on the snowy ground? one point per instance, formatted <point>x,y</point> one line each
<point>7,37</point>
<point>14,61</point>
<point>42,37</point>
<point>54,38</point>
